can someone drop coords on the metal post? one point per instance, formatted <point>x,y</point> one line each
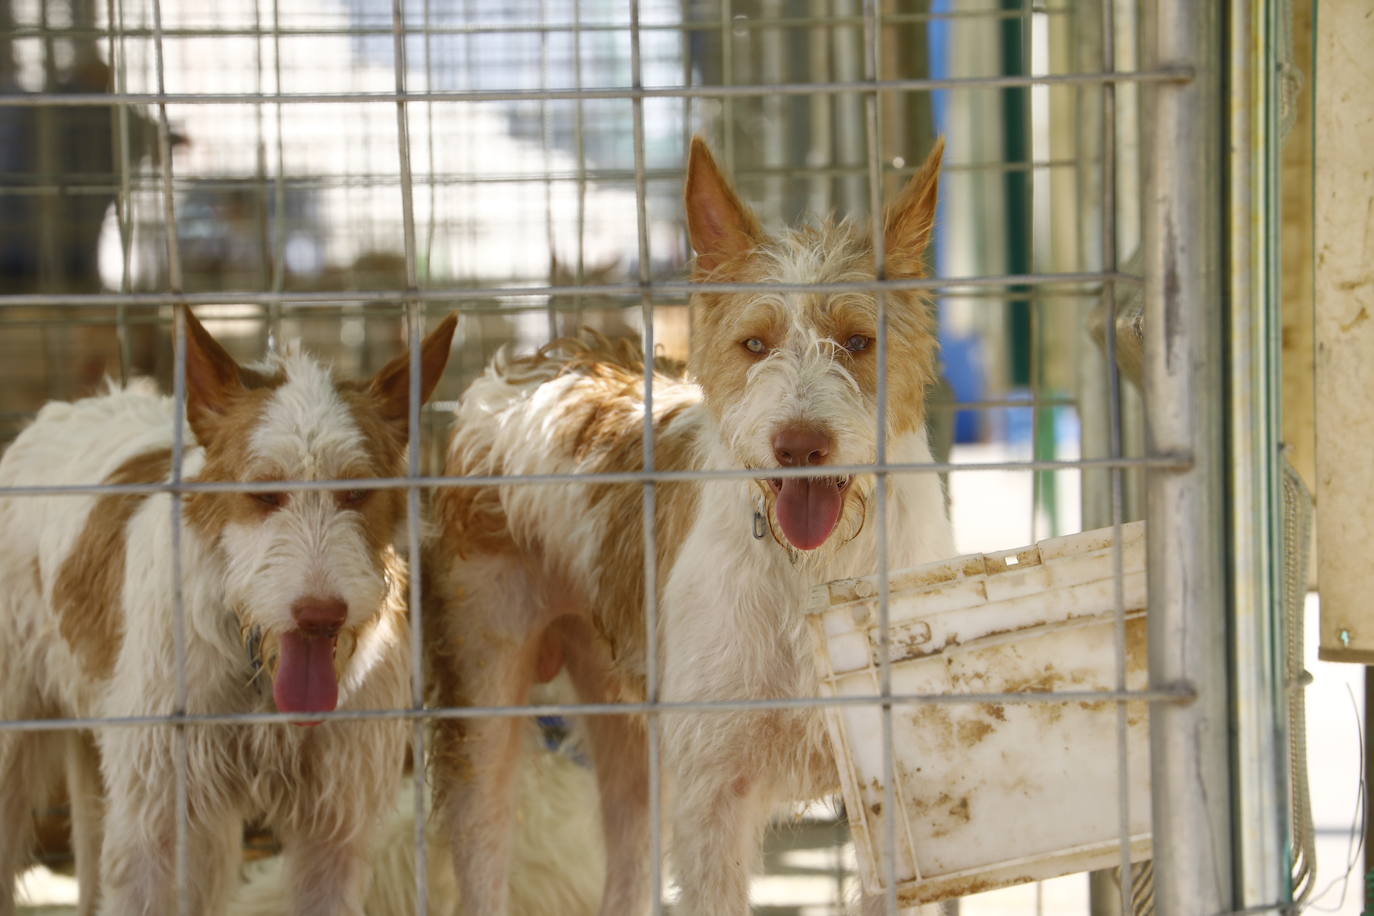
<point>415,320</point>
<point>1183,386</point>
<point>1367,893</point>
<point>1261,790</point>
<point>653,725</point>
<point>181,835</point>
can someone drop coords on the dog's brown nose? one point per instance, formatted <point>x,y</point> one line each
<point>319,616</point>
<point>799,446</point>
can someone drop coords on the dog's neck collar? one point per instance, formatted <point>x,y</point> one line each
<point>762,530</point>
<point>761,527</point>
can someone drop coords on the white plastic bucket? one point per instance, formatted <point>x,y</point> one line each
<point>990,794</point>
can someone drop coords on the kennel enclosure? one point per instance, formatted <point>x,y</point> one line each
<point>338,171</point>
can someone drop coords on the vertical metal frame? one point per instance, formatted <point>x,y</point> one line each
<point>181,876</point>
<point>415,319</point>
<point>114,11</point>
<point>1115,448</point>
<point>873,121</point>
<point>1263,858</point>
<point>1191,784</point>
<point>652,676</point>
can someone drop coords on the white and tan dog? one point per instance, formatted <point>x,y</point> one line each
<point>292,601</point>
<point>526,578</point>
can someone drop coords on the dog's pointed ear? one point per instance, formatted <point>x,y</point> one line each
<point>213,379</point>
<point>391,385</point>
<point>719,224</point>
<point>910,220</point>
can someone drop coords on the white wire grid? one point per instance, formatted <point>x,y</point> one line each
<point>414,27</point>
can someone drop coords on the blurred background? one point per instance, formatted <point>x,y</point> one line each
<point>290,203</point>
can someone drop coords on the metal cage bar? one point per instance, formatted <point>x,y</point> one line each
<point>1263,863</point>
<point>415,332</point>
<point>1115,442</point>
<point>1163,461</point>
<point>567,25</point>
<point>1185,555</point>
<point>182,828</point>
<point>1175,74</point>
<point>873,123</point>
<point>666,287</point>
<point>649,513</point>
<point>1180,694</point>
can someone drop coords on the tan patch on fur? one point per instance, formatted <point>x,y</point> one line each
<point>477,512</point>
<point>602,430</point>
<point>722,321</point>
<point>619,606</point>
<point>380,511</point>
<point>231,434</point>
<point>721,226</point>
<point>911,346</point>
<point>385,444</point>
<point>443,677</point>
<point>471,518</point>
<point>379,408</point>
<point>843,252</point>
<point>87,591</point>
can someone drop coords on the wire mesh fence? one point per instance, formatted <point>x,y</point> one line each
<point>345,173</point>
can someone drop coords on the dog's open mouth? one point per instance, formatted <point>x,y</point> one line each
<point>305,666</point>
<point>305,680</point>
<point>808,508</point>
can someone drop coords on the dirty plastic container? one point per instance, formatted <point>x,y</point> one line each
<point>991,794</point>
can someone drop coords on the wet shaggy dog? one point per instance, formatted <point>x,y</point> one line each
<point>292,602</point>
<point>525,579</point>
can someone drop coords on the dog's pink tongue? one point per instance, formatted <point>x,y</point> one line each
<point>808,510</point>
<point>305,679</point>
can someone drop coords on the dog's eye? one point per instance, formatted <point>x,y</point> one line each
<point>858,343</point>
<point>352,499</point>
<point>272,500</point>
<point>754,345</point>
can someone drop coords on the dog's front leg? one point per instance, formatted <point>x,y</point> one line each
<point>484,647</point>
<point>23,764</point>
<point>87,799</point>
<point>719,809</point>
<point>329,877</point>
<point>475,761</point>
<point>729,634</point>
<point>138,858</point>
<point>720,764</point>
<point>620,753</point>
<point>353,774</point>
